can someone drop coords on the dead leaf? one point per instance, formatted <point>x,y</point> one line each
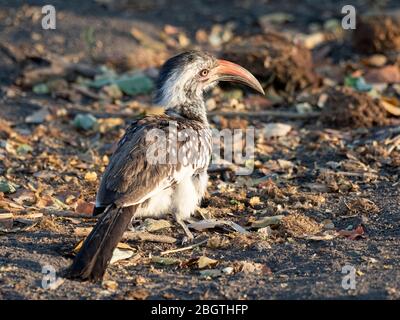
<point>271,130</point>
<point>140,280</point>
<point>386,74</point>
<point>204,262</point>
<point>56,284</point>
<point>324,236</point>
<point>123,251</point>
<point>152,225</point>
<point>254,201</point>
<point>110,285</point>
<point>211,273</point>
<point>213,223</point>
<point>391,105</point>
<point>120,254</point>
<point>253,267</point>
<point>91,176</point>
<point>352,234</point>
<point>267,221</point>
<point>83,207</point>
<point>165,261</point>
<point>375,60</point>
<point>138,294</point>
<point>24,196</point>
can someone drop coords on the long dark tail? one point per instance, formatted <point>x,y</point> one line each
<point>97,250</point>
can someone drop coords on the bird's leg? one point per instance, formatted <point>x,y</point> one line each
<point>189,236</point>
<point>191,220</point>
<point>131,226</point>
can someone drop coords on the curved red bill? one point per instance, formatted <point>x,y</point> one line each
<point>229,71</point>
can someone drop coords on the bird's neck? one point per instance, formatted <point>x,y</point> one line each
<point>190,111</point>
<point>189,105</point>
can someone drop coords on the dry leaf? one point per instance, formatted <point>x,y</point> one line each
<point>386,74</point>
<point>138,294</point>
<point>110,285</point>
<point>152,225</point>
<point>213,223</point>
<point>267,221</point>
<point>352,234</point>
<point>211,273</point>
<point>254,201</point>
<point>276,130</point>
<point>119,254</point>
<point>391,105</point>
<point>204,262</point>
<point>325,236</point>
<point>81,206</point>
<point>91,176</point>
<point>165,261</point>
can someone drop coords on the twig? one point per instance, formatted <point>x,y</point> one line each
<point>357,174</point>
<point>6,216</point>
<point>184,248</point>
<point>67,214</point>
<point>36,215</point>
<point>131,235</point>
<point>266,113</point>
<point>146,236</point>
<point>284,270</point>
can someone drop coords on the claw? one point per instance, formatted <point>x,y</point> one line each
<point>186,240</point>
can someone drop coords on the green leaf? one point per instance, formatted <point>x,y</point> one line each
<point>357,83</point>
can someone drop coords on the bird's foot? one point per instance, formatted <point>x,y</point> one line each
<point>187,240</point>
<point>189,236</point>
<point>131,226</point>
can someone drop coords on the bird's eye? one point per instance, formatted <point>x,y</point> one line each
<point>204,72</point>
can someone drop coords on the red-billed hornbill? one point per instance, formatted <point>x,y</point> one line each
<point>135,186</point>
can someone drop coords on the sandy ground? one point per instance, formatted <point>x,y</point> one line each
<point>284,266</point>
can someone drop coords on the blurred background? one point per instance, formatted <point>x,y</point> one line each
<point>324,191</point>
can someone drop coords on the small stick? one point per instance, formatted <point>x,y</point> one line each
<point>146,236</point>
<point>67,214</point>
<point>35,215</point>
<point>132,235</point>
<point>357,174</point>
<point>284,270</point>
<point>184,248</point>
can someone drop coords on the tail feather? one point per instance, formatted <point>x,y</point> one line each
<point>97,250</point>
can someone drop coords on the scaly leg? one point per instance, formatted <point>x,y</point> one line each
<point>189,236</point>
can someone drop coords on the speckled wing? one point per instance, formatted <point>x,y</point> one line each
<point>132,176</point>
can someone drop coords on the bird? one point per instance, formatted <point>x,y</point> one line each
<point>160,164</point>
